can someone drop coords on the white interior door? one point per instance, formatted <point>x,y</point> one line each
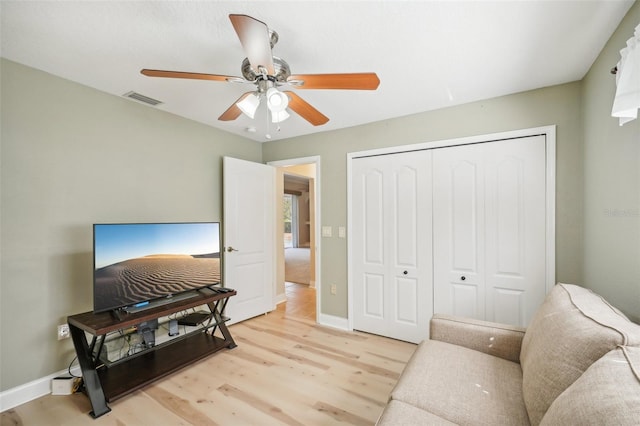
<point>490,229</point>
<point>249,237</point>
<point>392,259</point>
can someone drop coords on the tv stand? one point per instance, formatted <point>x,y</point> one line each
<point>106,383</point>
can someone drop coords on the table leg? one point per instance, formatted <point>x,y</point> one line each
<point>92,384</point>
<point>217,316</point>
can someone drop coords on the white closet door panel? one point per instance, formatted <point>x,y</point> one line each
<point>374,296</point>
<point>371,255</point>
<point>464,300</point>
<point>392,265</point>
<point>405,212</point>
<point>458,217</point>
<point>410,236</point>
<point>507,212</point>
<point>466,193</point>
<point>510,305</point>
<point>490,229</point>
<point>373,217</point>
<point>406,297</point>
<point>515,228</point>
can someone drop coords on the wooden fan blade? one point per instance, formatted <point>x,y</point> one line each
<point>188,75</point>
<point>356,81</point>
<point>305,110</point>
<point>233,111</point>
<point>256,41</point>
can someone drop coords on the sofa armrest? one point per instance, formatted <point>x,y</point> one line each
<point>501,340</point>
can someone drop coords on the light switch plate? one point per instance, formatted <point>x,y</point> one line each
<point>327,231</point>
<point>342,233</point>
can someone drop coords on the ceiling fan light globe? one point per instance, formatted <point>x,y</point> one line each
<point>276,100</point>
<point>249,105</point>
<point>278,117</point>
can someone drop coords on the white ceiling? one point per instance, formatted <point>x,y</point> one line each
<point>427,54</point>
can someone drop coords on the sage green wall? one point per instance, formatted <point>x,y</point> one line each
<point>559,105</point>
<point>72,156</point>
<point>612,183</point>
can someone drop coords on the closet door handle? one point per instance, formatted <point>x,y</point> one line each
<point>405,272</point>
<point>462,278</point>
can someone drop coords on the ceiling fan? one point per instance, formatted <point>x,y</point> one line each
<point>268,73</point>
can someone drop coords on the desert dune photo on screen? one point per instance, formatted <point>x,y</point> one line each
<point>154,276</point>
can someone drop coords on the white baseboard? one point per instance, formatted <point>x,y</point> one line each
<point>19,395</point>
<point>334,322</point>
<point>279,298</point>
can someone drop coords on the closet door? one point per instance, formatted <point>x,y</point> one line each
<point>489,229</point>
<point>392,258</point>
<point>458,232</point>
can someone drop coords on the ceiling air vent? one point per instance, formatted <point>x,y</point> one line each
<point>142,98</point>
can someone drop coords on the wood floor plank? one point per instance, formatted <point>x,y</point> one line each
<point>287,355</point>
<point>214,405</point>
<point>260,404</point>
<point>341,415</point>
<point>241,353</point>
<point>306,341</point>
<point>181,407</point>
<point>138,408</point>
<point>374,369</point>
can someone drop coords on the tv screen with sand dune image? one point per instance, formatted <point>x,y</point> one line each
<point>135,263</point>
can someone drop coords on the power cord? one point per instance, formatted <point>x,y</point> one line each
<point>69,368</point>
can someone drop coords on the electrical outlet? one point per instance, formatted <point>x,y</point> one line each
<point>63,331</point>
<point>334,289</point>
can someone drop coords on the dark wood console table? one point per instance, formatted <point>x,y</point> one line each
<point>105,383</point>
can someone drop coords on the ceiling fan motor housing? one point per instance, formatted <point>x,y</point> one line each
<point>281,67</point>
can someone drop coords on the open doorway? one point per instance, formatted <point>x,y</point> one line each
<point>297,226</point>
<point>300,294</point>
<point>297,278</point>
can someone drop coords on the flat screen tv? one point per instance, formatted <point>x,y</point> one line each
<point>136,263</point>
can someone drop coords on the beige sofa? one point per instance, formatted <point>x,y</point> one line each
<point>578,363</point>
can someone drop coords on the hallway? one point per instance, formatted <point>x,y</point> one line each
<point>301,302</point>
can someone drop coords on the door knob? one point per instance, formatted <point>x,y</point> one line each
<point>230,249</point>
<point>405,272</point>
<point>463,278</point>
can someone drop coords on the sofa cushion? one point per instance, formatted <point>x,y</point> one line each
<point>607,393</point>
<point>572,329</point>
<point>492,338</point>
<point>462,385</point>
<point>400,413</point>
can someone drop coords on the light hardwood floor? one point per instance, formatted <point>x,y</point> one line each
<point>286,370</point>
<point>301,301</point>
